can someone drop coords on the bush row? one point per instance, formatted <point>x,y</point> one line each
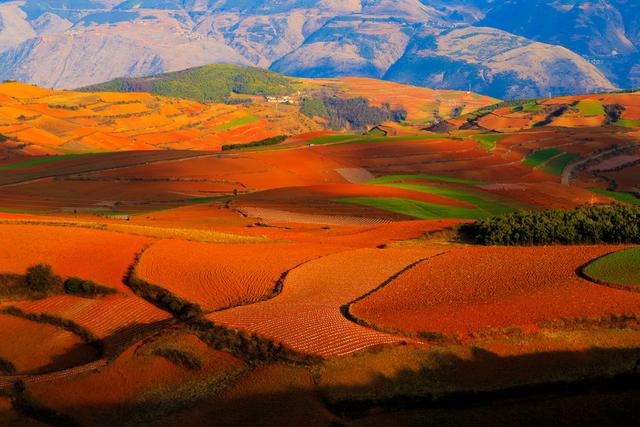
<point>179,357</point>
<point>587,225</point>
<point>275,140</point>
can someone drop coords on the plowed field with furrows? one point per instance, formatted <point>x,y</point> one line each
<point>482,289</point>
<point>220,276</point>
<point>114,318</point>
<point>307,315</point>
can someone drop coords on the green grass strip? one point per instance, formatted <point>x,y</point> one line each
<point>621,197</point>
<point>400,178</point>
<point>237,123</point>
<point>42,160</point>
<point>557,165</point>
<point>628,123</point>
<point>415,208</point>
<point>481,201</point>
<point>538,158</point>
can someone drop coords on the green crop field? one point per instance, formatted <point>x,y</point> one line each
<point>237,123</point>
<point>621,197</point>
<point>591,108</point>
<point>538,158</point>
<point>400,178</point>
<point>330,139</point>
<point>489,141</point>
<point>628,123</point>
<point>487,203</point>
<point>41,161</point>
<point>620,268</point>
<point>414,208</point>
<point>557,165</point>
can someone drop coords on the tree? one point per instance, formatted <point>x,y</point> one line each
<point>40,278</point>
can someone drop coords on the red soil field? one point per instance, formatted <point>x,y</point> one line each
<point>116,318</point>
<point>220,276</point>
<point>103,257</point>
<point>36,347</point>
<point>306,316</point>
<point>483,289</point>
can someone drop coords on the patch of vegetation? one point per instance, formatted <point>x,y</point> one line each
<point>540,157</point>
<point>551,116</point>
<point>179,357</point>
<point>329,139</point>
<point>6,367</point>
<point>488,141</point>
<point>557,165</point>
<point>590,108</point>
<point>614,112</point>
<point>43,160</point>
<point>414,208</point>
<point>619,268</point>
<point>488,109</point>
<point>27,406</point>
<point>621,197</point>
<point>589,225</point>
<point>237,123</point>
<point>40,278</point>
<point>399,178</point>
<point>264,142</point>
<point>628,123</point>
<point>86,288</point>
<point>179,308</point>
<point>484,202</point>
<point>214,83</point>
<point>353,113</point>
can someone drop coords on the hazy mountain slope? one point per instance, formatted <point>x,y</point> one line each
<point>71,43</point>
<point>496,63</point>
<point>349,46</point>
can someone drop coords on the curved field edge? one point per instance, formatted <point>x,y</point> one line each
<point>251,348</point>
<point>588,273</point>
<point>348,313</point>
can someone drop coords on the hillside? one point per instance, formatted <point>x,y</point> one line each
<point>41,121</point>
<point>511,49</point>
<point>236,84</point>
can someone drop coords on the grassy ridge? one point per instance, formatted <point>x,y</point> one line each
<point>400,178</point>
<point>214,83</point>
<point>621,197</point>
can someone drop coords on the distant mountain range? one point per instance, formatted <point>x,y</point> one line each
<point>505,49</point>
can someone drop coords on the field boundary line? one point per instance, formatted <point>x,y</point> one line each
<point>345,309</point>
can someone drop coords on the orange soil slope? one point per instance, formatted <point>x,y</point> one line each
<point>54,122</point>
<point>101,256</point>
<point>484,289</point>
<point>219,276</point>
<point>307,314</point>
<point>56,348</point>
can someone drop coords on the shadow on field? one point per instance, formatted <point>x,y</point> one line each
<point>593,387</point>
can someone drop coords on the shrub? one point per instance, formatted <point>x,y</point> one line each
<point>179,357</point>
<point>588,225</point>
<point>6,367</point>
<point>264,142</point>
<point>85,288</point>
<point>40,278</point>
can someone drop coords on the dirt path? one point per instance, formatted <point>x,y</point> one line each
<point>568,171</point>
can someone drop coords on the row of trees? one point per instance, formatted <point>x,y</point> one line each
<point>355,113</point>
<point>587,225</point>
